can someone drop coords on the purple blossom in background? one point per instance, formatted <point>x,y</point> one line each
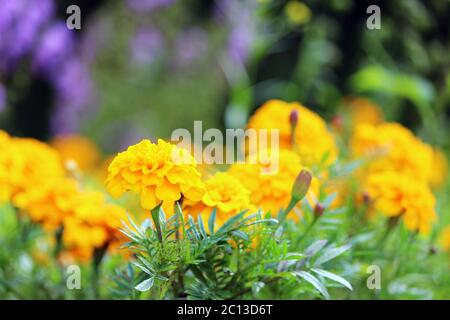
<point>2,98</point>
<point>73,84</point>
<point>95,37</point>
<point>190,45</point>
<point>238,16</point>
<point>148,5</point>
<point>146,45</point>
<point>55,46</point>
<point>20,23</point>
<point>65,120</point>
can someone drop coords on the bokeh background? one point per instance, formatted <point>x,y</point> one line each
<point>141,68</point>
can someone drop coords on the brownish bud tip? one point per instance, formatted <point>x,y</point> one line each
<point>319,210</point>
<point>293,118</point>
<point>301,185</point>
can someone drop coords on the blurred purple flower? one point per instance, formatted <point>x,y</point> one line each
<point>73,84</point>
<point>65,120</point>
<point>20,22</point>
<point>95,36</point>
<point>56,44</point>
<point>146,45</point>
<point>2,98</point>
<point>148,5</point>
<point>190,45</point>
<point>239,43</point>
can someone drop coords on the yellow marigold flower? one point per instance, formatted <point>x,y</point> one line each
<point>297,12</point>
<point>159,172</point>
<point>223,192</point>
<point>79,149</point>
<point>390,146</point>
<point>315,144</point>
<point>362,110</point>
<point>396,194</point>
<point>50,203</point>
<point>272,192</point>
<point>93,224</point>
<point>29,164</point>
<point>444,238</point>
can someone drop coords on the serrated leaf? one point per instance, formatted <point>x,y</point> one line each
<point>333,277</point>
<point>145,285</point>
<point>331,254</point>
<point>314,281</point>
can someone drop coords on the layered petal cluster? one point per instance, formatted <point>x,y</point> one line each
<point>25,164</point>
<point>93,225</point>
<point>315,143</point>
<point>396,194</point>
<point>391,146</point>
<point>272,192</point>
<point>158,172</point>
<point>224,193</point>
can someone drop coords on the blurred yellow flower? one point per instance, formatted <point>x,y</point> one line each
<point>362,110</point>
<point>5,164</point>
<point>396,194</point>
<point>272,192</point>
<point>444,238</point>
<point>390,146</point>
<point>26,165</point>
<point>158,172</point>
<point>297,12</point>
<point>79,149</point>
<point>50,203</point>
<point>94,224</point>
<point>315,144</point>
<point>223,192</point>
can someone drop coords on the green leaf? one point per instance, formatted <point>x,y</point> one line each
<point>256,287</point>
<point>201,226</point>
<point>314,281</point>
<point>333,277</point>
<point>331,254</point>
<point>145,285</point>
<point>212,221</point>
<point>315,247</point>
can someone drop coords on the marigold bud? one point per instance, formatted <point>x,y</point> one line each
<point>301,185</point>
<point>319,210</point>
<point>293,118</point>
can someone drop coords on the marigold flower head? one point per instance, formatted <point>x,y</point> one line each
<point>390,146</point>
<point>315,144</point>
<point>158,172</point>
<point>396,194</point>
<point>26,164</point>
<point>226,194</point>
<point>93,224</point>
<point>439,172</point>
<point>79,149</point>
<point>50,203</point>
<point>272,192</point>
<point>362,110</point>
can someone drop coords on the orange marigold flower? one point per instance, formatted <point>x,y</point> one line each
<point>396,194</point>
<point>27,164</point>
<point>362,110</point>
<point>93,224</point>
<point>391,146</point>
<point>79,149</point>
<point>272,192</point>
<point>315,143</point>
<point>158,172</point>
<point>226,194</point>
